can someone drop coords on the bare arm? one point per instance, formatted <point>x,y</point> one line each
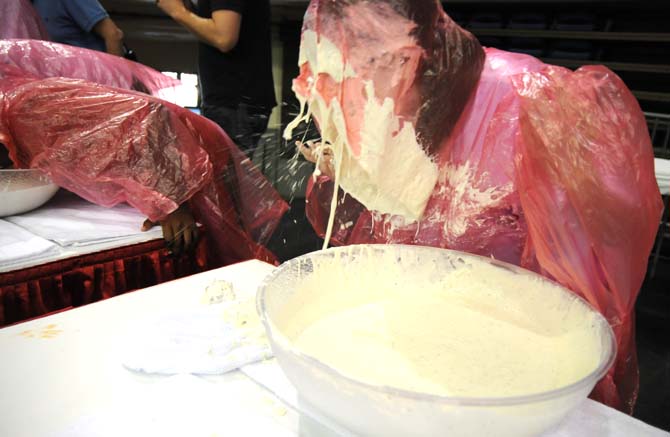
<point>180,230</point>
<point>221,31</point>
<point>112,35</point>
<point>319,154</point>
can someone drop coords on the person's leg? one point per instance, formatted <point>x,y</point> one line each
<point>244,125</point>
<point>252,122</point>
<point>259,119</point>
<point>225,117</point>
<point>5,162</point>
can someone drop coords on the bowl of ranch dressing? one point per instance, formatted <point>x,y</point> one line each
<point>393,340</point>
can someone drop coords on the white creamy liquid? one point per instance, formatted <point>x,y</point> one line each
<point>392,174</point>
<point>481,331</point>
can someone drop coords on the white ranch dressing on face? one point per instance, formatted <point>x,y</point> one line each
<point>393,175</point>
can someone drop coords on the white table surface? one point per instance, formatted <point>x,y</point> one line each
<point>62,253</point>
<point>662,169</point>
<point>90,227</point>
<point>61,376</point>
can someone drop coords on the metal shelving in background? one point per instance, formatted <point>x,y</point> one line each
<point>630,38</point>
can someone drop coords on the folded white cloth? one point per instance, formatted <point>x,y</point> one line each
<point>71,221</point>
<point>209,340</point>
<point>18,245</point>
<point>662,167</point>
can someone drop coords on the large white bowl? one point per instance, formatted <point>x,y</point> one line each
<point>371,410</point>
<point>22,190</point>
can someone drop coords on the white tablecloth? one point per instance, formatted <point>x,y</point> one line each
<point>69,220</point>
<point>66,227</point>
<point>18,245</point>
<point>662,167</point>
<point>61,376</point>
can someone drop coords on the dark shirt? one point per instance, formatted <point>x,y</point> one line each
<point>244,74</point>
<point>72,21</point>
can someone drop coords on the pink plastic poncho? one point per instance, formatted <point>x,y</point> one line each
<point>18,19</point>
<point>43,59</point>
<point>414,65</point>
<point>545,168</point>
<point>110,146</point>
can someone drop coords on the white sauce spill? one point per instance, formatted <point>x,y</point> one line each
<point>459,185</point>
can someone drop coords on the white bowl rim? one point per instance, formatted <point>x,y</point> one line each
<point>590,379</point>
<point>39,174</point>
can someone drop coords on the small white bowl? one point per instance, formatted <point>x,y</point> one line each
<point>22,190</point>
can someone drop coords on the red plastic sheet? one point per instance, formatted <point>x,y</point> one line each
<point>111,146</point>
<point>585,168</point>
<point>18,19</point>
<point>44,59</point>
<point>545,168</point>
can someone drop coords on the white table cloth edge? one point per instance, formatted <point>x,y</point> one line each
<point>59,377</point>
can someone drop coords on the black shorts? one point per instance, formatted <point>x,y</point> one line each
<point>244,125</point>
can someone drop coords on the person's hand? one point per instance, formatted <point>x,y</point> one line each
<point>179,230</point>
<point>172,7</point>
<point>320,154</point>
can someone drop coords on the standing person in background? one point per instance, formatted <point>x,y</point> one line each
<point>235,63</point>
<point>81,23</point>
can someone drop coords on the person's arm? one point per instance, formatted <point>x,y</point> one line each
<point>112,35</point>
<point>180,230</point>
<point>221,31</point>
<point>318,154</point>
<point>93,18</point>
<point>5,161</point>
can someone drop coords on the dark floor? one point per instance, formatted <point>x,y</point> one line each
<point>296,237</point>
<point>653,347</point>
